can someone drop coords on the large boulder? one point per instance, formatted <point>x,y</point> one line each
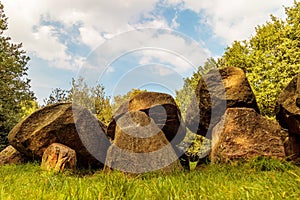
<point>243,134</point>
<point>63,123</point>
<point>216,91</point>
<point>161,108</point>
<point>58,157</point>
<point>288,107</point>
<point>140,146</point>
<point>10,155</point>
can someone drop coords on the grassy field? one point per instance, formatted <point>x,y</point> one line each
<point>259,179</point>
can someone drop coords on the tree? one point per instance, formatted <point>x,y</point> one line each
<point>120,99</point>
<point>93,98</point>
<point>58,95</point>
<point>183,96</point>
<point>14,86</point>
<point>80,93</point>
<point>28,107</point>
<point>102,107</point>
<point>271,58</point>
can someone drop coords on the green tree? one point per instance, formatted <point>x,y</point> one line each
<point>58,95</point>
<point>28,107</point>
<point>14,86</point>
<point>270,58</point>
<point>120,99</point>
<point>184,96</point>
<point>93,98</point>
<point>102,108</point>
<point>80,93</point>
<point>241,52</point>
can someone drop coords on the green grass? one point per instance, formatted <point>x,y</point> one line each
<point>258,179</point>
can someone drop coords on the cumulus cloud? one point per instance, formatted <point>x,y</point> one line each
<point>47,46</point>
<point>234,19</point>
<point>33,23</point>
<point>90,37</point>
<point>41,25</point>
<point>145,47</point>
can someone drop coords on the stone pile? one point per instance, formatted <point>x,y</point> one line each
<point>146,132</point>
<point>228,114</point>
<point>161,108</point>
<point>164,122</point>
<point>64,123</point>
<point>141,137</point>
<point>216,91</point>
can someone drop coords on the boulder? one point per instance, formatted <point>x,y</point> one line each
<point>293,148</point>
<point>243,134</point>
<point>58,157</point>
<point>287,107</point>
<point>10,155</point>
<point>216,91</point>
<point>63,123</point>
<point>161,108</point>
<point>140,146</point>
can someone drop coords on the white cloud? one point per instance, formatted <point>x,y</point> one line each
<point>148,46</point>
<point>90,37</point>
<point>155,22</point>
<point>168,59</point>
<point>47,46</point>
<point>174,23</point>
<point>235,19</point>
<point>163,70</point>
<point>173,2</point>
<point>100,20</point>
<point>95,19</point>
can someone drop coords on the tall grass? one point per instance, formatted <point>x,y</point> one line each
<point>258,179</point>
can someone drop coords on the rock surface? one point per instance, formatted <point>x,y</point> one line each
<point>62,123</point>
<point>58,157</point>
<point>293,148</point>
<point>161,108</point>
<point>140,146</point>
<point>243,134</point>
<point>10,155</point>
<point>288,107</point>
<point>217,90</point>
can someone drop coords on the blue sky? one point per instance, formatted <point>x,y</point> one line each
<point>124,44</point>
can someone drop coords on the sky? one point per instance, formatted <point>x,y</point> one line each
<point>125,44</point>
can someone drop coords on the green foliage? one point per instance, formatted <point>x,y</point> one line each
<point>271,58</point>
<point>14,86</point>
<point>185,95</point>
<point>120,99</point>
<point>210,182</point>
<point>58,95</point>
<point>199,146</point>
<point>102,107</point>
<point>262,163</point>
<point>28,107</point>
<point>93,98</point>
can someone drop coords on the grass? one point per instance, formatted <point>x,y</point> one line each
<point>257,179</point>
